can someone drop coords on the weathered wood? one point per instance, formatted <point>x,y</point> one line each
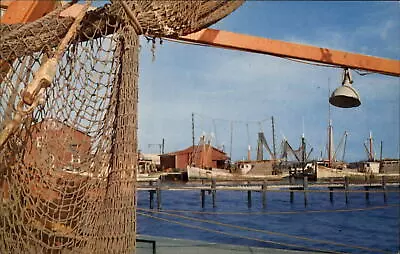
<point>203,198</point>
<point>291,180</point>
<point>384,189</point>
<point>214,192</point>
<point>264,194</point>
<point>159,200</point>
<point>366,193</point>
<point>346,187</point>
<point>305,187</point>
<point>249,199</point>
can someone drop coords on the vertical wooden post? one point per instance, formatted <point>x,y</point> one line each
<point>214,192</point>
<point>291,180</point>
<point>159,206</point>
<point>384,189</point>
<point>331,194</point>
<point>346,187</point>
<point>264,194</point>
<point>203,197</point>
<point>305,186</point>
<point>366,188</point>
<point>151,192</point>
<point>248,196</point>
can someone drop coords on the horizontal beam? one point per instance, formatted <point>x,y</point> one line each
<point>242,42</point>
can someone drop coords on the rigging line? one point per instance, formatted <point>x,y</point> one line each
<point>271,232</point>
<point>311,63</point>
<point>248,134</point>
<point>236,235</point>
<point>282,212</point>
<point>215,132</point>
<point>363,73</point>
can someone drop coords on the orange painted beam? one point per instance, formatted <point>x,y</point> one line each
<point>230,40</point>
<point>22,12</point>
<point>26,11</point>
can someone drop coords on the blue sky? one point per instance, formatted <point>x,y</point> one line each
<point>223,84</point>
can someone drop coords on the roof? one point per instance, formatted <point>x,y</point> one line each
<point>217,154</point>
<point>57,124</point>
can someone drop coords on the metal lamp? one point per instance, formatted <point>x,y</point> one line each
<point>345,96</point>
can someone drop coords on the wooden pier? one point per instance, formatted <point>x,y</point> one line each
<point>155,187</point>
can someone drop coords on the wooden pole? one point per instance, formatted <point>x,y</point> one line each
<point>203,197</point>
<point>264,194</point>
<point>159,200</point>
<point>331,194</point>
<point>214,192</point>
<point>291,180</point>
<point>346,187</point>
<point>366,193</point>
<point>151,193</point>
<point>384,189</point>
<point>249,199</point>
<point>248,196</point>
<point>305,186</point>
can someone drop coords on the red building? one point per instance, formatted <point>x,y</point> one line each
<point>57,145</point>
<point>204,156</point>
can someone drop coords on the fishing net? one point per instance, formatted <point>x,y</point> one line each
<point>68,154</point>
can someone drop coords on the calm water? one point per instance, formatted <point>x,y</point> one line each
<point>377,229</point>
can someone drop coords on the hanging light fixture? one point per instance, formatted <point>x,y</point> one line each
<point>345,96</point>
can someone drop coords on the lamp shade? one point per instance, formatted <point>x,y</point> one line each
<point>345,96</point>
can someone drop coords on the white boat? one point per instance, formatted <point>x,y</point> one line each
<point>201,173</point>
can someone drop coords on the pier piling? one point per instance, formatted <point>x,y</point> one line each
<point>158,190</point>
<point>203,197</point>
<point>366,193</point>
<point>248,196</point>
<point>264,194</point>
<point>305,186</point>
<point>291,180</point>
<point>249,199</point>
<point>346,188</point>
<point>151,196</point>
<point>384,189</point>
<point>214,192</point>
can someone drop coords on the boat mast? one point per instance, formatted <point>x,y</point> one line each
<point>248,142</point>
<point>193,130</point>
<point>191,162</point>
<point>273,137</point>
<point>230,148</point>
<point>371,147</point>
<point>330,130</point>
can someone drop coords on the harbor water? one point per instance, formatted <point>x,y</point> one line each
<point>359,226</point>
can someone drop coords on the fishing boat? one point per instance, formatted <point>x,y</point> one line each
<point>195,173</point>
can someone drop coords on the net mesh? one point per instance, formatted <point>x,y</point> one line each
<point>69,158</point>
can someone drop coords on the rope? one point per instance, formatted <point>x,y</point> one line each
<point>236,235</point>
<point>269,232</point>
<point>283,212</point>
<point>134,21</point>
